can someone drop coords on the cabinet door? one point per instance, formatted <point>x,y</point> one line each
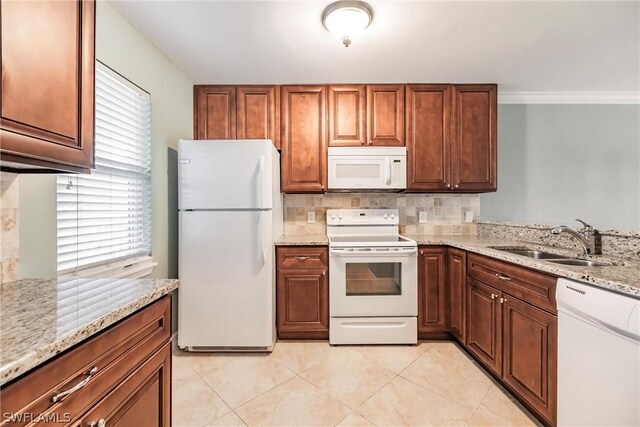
<point>428,131</point>
<point>474,137</point>
<point>304,139</point>
<point>432,315</point>
<point>257,113</point>
<point>48,65</point>
<point>530,352</point>
<point>214,113</point>
<point>484,324</point>
<point>456,276</point>
<point>303,304</point>
<point>142,399</point>
<point>385,115</point>
<point>347,115</point>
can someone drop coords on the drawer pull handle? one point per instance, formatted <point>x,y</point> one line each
<point>76,387</point>
<point>100,423</point>
<point>302,258</point>
<point>501,277</point>
<point>494,296</point>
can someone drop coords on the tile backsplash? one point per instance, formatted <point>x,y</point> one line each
<point>9,233</point>
<point>445,212</point>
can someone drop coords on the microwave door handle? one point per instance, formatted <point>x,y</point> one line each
<point>387,162</point>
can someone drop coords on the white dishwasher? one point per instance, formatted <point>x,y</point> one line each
<point>598,356</point>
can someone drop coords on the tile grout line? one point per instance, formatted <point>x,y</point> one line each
<point>214,392</point>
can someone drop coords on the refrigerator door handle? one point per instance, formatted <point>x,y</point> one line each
<point>263,253</point>
<point>261,191</point>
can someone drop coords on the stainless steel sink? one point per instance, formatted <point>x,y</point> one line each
<point>530,253</point>
<point>548,256</point>
<point>578,262</point>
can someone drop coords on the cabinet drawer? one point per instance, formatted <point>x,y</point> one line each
<point>100,362</point>
<point>534,287</point>
<point>141,399</point>
<point>302,257</point>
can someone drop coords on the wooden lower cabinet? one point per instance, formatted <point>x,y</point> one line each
<point>302,293</point>
<point>456,279</point>
<point>432,303</point>
<point>125,371</point>
<point>484,324</point>
<point>530,355</point>
<point>142,399</point>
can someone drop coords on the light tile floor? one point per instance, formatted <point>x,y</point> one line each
<point>304,383</point>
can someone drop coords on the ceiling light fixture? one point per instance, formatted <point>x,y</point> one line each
<point>346,20</point>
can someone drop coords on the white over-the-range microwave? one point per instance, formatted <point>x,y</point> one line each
<point>367,168</point>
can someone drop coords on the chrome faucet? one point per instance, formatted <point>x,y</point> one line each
<point>586,236</point>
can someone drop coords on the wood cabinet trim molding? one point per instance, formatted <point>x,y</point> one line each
<point>48,149</point>
<point>289,182</point>
<point>416,179</point>
<point>432,301</point>
<point>396,137</point>
<point>489,181</point>
<point>201,121</point>
<point>456,281</point>
<point>336,115</point>
<point>272,111</point>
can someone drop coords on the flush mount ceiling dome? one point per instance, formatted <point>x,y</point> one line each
<point>347,20</point>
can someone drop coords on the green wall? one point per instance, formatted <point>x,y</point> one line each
<point>560,162</point>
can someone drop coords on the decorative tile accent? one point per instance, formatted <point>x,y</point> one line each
<point>9,226</point>
<point>613,243</point>
<point>445,212</point>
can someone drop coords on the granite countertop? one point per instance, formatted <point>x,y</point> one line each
<point>620,276</point>
<point>303,240</point>
<point>41,318</point>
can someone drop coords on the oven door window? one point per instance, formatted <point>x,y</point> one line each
<point>374,278</point>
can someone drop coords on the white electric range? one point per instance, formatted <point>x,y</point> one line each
<point>373,283</point>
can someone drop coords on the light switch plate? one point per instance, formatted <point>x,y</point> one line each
<point>422,217</point>
<point>468,216</point>
<point>311,217</point>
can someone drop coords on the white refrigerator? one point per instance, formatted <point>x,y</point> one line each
<point>230,213</point>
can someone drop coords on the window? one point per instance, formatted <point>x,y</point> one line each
<point>105,217</point>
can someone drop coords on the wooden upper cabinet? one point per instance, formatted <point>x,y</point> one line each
<point>303,139</point>
<point>385,114</point>
<point>258,113</point>
<point>432,280</point>
<point>48,67</point>
<point>474,137</point>
<point>347,115</point>
<point>214,113</point>
<point>428,133</point>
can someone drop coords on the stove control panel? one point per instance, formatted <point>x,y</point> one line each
<point>362,217</point>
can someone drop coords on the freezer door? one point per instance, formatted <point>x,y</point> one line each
<point>233,174</point>
<point>227,280</point>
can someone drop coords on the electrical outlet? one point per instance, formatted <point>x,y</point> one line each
<point>422,217</point>
<point>468,216</point>
<point>311,217</point>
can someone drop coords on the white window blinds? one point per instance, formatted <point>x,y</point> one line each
<point>106,216</point>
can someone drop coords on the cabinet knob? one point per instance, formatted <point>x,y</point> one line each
<point>494,296</point>
<point>421,252</point>
<point>100,423</point>
<point>324,273</point>
<point>448,185</point>
<point>456,186</point>
<point>371,142</point>
<point>362,141</point>
<point>503,300</point>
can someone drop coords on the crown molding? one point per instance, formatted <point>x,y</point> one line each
<point>568,97</point>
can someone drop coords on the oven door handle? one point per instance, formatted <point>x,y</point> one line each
<point>343,252</point>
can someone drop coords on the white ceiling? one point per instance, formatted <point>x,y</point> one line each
<point>523,46</point>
